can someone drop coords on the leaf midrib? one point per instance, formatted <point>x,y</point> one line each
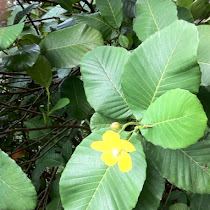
<point>112,82</point>
<point>164,71</point>
<point>196,163</point>
<point>89,203</point>
<point>153,17</point>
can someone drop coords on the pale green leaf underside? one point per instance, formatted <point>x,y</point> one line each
<point>177,120</point>
<point>152,16</point>
<point>187,168</point>
<point>16,190</point>
<point>204,53</point>
<point>165,61</point>
<point>112,11</point>
<point>101,71</point>
<point>9,34</point>
<point>87,183</point>
<point>66,47</point>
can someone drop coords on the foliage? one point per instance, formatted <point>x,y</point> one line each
<point>105,104</point>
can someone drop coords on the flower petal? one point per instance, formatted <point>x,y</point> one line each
<point>125,162</point>
<point>108,158</point>
<point>112,138</point>
<point>100,146</point>
<point>126,145</point>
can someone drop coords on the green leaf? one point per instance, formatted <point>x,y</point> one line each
<point>162,63</point>
<point>66,4</point>
<point>184,3</point>
<point>123,40</point>
<point>152,16</point>
<point>67,150</point>
<point>101,71</point>
<point>9,34</point>
<point>98,122</point>
<point>204,53</point>
<point>185,14</point>
<point>88,183</point>
<point>200,202</point>
<point>112,11</point>
<point>129,8</point>
<point>66,47</point>
<point>72,88</point>
<point>60,104</point>
<point>36,122</point>
<point>191,169</point>
<point>204,97</point>
<point>174,125</point>
<point>152,192</point>
<point>24,12</point>
<point>179,206</point>
<point>95,21</point>
<point>52,159</point>
<point>41,72</point>
<point>199,9</point>
<point>22,59</point>
<point>55,204</point>
<point>16,192</point>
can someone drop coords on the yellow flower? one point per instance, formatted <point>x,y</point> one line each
<point>115,150</point>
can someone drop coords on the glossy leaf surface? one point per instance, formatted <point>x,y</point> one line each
<point>9,34</point>
<point>22,59</point>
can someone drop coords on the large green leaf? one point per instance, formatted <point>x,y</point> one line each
<point>41,72</point>
<point>66,47</point>
<point>175,120</point>
<point>9,34</point>
<point>152,16</point>
<point>200,202</point>
<point>152,192</point>
<point>17,191</point>
<point>22,59</point>
<point>187,168</point>
<point>112,11</point>
<point>165,61</point>
<point>72,88</point>
<point>204,53</point>
<point>101,70</point>
<point>96,21</point>
<point>88,183</point>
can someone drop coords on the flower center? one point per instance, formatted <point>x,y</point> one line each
<point>115,152</point>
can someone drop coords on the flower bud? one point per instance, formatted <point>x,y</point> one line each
<point>115,126</point>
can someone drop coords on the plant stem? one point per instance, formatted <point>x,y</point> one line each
<point>48,103</point>
<point>126,125</point>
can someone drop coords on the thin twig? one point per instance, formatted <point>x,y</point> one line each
<point>37,31</point>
